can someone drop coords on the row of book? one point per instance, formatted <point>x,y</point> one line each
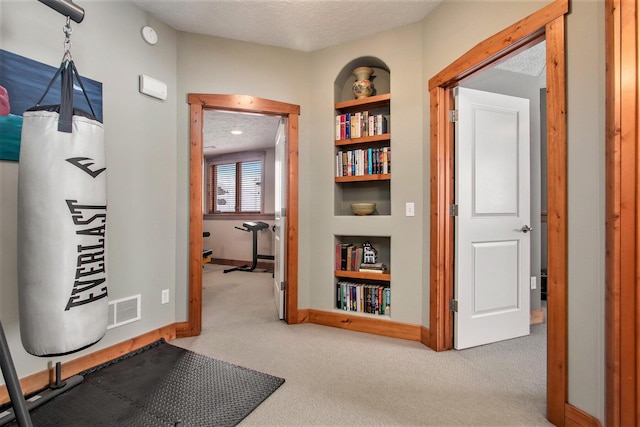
<point>349,257</point>
<point>367,161</point>
<point>359,125</point>
<point>352,258</point>
<point>362,298</point>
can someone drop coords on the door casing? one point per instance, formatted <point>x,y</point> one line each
<point>547,24</point>
<point>248,104</point>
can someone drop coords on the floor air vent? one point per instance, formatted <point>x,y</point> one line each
<point>123,311</point>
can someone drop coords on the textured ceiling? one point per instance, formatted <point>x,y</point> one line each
<point>258,132</point>
<point>531,62</point>
<point>305,25</point>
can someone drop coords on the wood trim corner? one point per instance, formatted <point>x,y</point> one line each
<point>182,329</point>
<point>575,417</point>
<point>42,379</point>
<point>425,336</point>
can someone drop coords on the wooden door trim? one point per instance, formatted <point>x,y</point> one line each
<point>548,22</point>
<point>242,103</point>
<point>622,214</point>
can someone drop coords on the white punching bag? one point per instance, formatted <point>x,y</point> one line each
<point>62,204</point>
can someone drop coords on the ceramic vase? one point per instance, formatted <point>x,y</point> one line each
<point>363,87</point>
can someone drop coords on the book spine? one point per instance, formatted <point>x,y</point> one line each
<point>384,160</point>
<point>388,159</point>
<point>387,310</point>
<point>347,126</point>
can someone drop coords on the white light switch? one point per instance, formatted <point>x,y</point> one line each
<point>533,282</point>
<point>411,209</point>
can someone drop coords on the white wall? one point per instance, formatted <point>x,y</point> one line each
<point>140,156</point>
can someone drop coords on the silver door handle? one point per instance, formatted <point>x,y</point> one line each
<point>525,229</point>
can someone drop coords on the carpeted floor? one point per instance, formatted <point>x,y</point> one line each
<point>342,378</point>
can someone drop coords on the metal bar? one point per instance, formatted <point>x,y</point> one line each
<point>13,383</point>
<point>67,8</point>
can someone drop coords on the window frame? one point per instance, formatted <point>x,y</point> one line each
<point>238,159</point>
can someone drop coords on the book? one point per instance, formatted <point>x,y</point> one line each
<point>374,266</point>
<point>366,270</point>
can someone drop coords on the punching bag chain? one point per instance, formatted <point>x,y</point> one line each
<point>67,40</point>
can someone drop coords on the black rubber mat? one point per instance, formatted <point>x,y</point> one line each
<point>160,385</point>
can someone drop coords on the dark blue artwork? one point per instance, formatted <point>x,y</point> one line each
<point>22,82</point>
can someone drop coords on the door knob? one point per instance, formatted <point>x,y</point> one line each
<point>525,229</point>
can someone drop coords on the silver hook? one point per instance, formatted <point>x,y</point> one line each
<point>67,40</point>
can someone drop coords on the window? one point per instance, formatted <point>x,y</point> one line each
<point>235,184</point>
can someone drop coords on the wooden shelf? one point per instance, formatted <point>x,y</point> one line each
<point>364,140</point>
<point>361,178</point>
<point>383,277</point>
<point>370,102</point>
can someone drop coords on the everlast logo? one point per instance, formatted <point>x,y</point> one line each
<point>89,284</point>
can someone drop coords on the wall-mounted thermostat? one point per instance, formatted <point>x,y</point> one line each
<point>152,87</point>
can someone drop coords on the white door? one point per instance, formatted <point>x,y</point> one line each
<point>280,221</point>
<point>491,283</point>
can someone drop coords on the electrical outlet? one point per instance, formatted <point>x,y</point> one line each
<point>165,296</point>
<point>410,209</point>
<point>533,282</point>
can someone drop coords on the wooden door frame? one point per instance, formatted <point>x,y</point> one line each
<point>247,104</point>
<point>622,213</point>
<point>549,24</point>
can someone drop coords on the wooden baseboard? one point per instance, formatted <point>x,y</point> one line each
<point>574,417</point>
<point>425,335</point>
<point>537,316</point>
<point>42,379</point>
<point>182,329</point>
<point>360,323</point>
<point>237,263</point>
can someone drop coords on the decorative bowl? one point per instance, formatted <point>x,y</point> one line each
<point>364,208</point>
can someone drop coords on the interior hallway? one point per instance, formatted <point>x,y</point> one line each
<point>336,377</point>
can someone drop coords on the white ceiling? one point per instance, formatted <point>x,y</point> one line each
<point>305,25</point>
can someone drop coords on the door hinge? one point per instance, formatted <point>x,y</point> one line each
<point>453,116</point>
<point>453,305</point>
<point>283,286</point>
<point>453,210</point>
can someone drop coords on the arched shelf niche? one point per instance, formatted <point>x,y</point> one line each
<point>375,187</point>
<point>345,78</point>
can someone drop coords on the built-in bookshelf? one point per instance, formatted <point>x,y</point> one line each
<point>356,290</point>
<point>363,153</point>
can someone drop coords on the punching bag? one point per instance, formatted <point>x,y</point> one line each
<point>62,204</point>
